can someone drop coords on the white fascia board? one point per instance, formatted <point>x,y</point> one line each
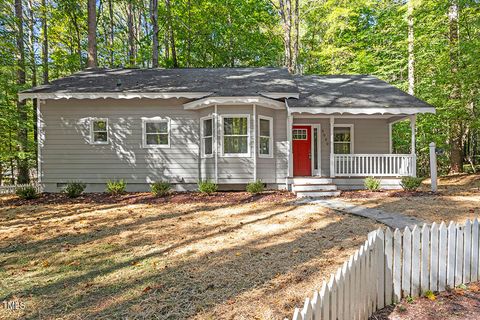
<point>112,95</point>
<point>280,95</point>
<point>257,100</point>
<point>339,110</point>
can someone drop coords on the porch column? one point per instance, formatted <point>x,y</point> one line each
<point>254,142</point>
<point>413,122</point>
<point>332,160</point>
<point>215,129</point>
<point>289,145</point>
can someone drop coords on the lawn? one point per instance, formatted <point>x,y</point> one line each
<point>458,199</point>
<point>231,256</point>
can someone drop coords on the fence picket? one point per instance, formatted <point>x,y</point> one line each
<point>397,265</point>
<point>13,188</point>
<point>442,256</point>
<point>380,270</point>
<point>332,288</point>
<point>459,257</point>
<point>467,252</point>
<point>475,248</point>
<point>316,306</point>
<point>307,312</point>
<point>296,314</point>
<point>340,299</point>
<point>451,255</point>
<point>357,285</point>
<point>425,259</point>
<point>325,301</point>
<point>388,267</point>
<point>416,258</point>
<point>407,262</point>
<point>433,283</point>
<point>346,272</point>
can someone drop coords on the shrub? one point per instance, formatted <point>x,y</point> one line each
<point>372,184</point>
<point>207,187</point>
<point>160,188</point>
<point>410,183</point>
<point>27,193</point>
<point>116,186</point>
<point>74,189</point>
<point>255,187</point>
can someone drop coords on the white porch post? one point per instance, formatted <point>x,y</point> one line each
<point>215,129</point>
<point>332,160</point>
<point>254,142</point>
<point>290,145</point>
<point>413,123</point>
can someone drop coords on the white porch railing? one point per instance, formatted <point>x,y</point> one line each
<point>362,165</point>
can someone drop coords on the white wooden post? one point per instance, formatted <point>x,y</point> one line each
<point>433,166</point>
<point>215,122</point>
<point>290,145</point>
<point>254,142</point>
<point>332,159</point>
<point>413,121</point>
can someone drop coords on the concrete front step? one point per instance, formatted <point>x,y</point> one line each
<point>311,180</point>
<point>314,187</point>
<point>317,194</point>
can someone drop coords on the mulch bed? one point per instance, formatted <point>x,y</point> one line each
<point>148,198</point>
<point>365,194</point>
<point>456,304</point>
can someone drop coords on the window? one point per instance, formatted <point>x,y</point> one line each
<point>299,134</point>
<point>343,139</point>
<point>265,140</point>
<point>236,138</point>
<point>207,136</point>
<point>99,131</point>
<point>156,133</point>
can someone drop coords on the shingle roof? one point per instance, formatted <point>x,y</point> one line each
<point>351,91</point>
<point>221,81</point>
<point>334,93</point>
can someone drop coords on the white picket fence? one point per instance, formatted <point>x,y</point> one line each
<point>13,188</point>
<point>390,266</point>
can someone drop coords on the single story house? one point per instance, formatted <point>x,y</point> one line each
<point>310,134</point>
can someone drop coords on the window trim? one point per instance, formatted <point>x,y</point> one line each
<point>270,142</point>
<point>352,135</point>
<point>202,137</point>
<point>92,138</point>
<point>144,132</point>
<point>222,129</point>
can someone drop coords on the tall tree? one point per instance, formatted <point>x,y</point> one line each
<point>285,9</point>
<point>22,135</point>
<point>44,41</point>
<point>131,34</point>
<point>296,43</point>
<point>112,31</point>
<point>411,55</point>
<point>92,34</point>
<point>456,126</point>
<point>171,33</point>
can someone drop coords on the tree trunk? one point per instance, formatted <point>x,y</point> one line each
<point>131,35</point>
<point>154,18</point>
<point>411,55</point>
<point>92,34</point>
<point>456,126</point>
<point>189,34</point>
<point>110,12</point>
<point>33,63</point>
<point>295,66</point>
<point>22,134</point>
<point>45,42</point>
<point>285,9</point>
<point>79,45</point>
<point>171,33</point>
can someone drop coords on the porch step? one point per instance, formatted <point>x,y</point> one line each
<point>314,187</point>
<point>317,194</point>
<point>311,180</point>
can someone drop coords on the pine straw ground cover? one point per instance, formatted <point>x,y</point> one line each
<point>458,199</point>
<point>229,256</point>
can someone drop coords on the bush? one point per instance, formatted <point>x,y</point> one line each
<point>27,193</point>
<point>116,186</point>
<point>255,187</point>
<point>160,188</point>
<point>410,183</point>
<point>372,184</point>
<point>74,189</point>
<point>207,187</point>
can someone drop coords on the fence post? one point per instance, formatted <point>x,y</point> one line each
<point>433,166</point>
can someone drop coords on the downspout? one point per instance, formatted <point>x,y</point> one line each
<point>289,146</point>
<point>332,156</point>
<point>254,142</point>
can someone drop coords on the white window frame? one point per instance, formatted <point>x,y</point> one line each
<point>144,131</point>
<point>202,137</point>
<point>352,135</point>
<point>92,138</point>
<point>235,155</point>
<point>270,142</point>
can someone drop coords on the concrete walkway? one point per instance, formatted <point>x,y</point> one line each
<point>393,220</point>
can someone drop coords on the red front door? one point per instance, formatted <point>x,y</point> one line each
<point>302,142</point>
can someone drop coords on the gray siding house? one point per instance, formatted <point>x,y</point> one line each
<point>310,134</point>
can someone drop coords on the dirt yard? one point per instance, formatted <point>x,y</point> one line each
<point>457,304</point>
<point>458,199</point>
<point>231,256</point>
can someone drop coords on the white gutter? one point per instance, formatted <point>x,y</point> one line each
<point>112,95</point>
<point>209,101</point>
